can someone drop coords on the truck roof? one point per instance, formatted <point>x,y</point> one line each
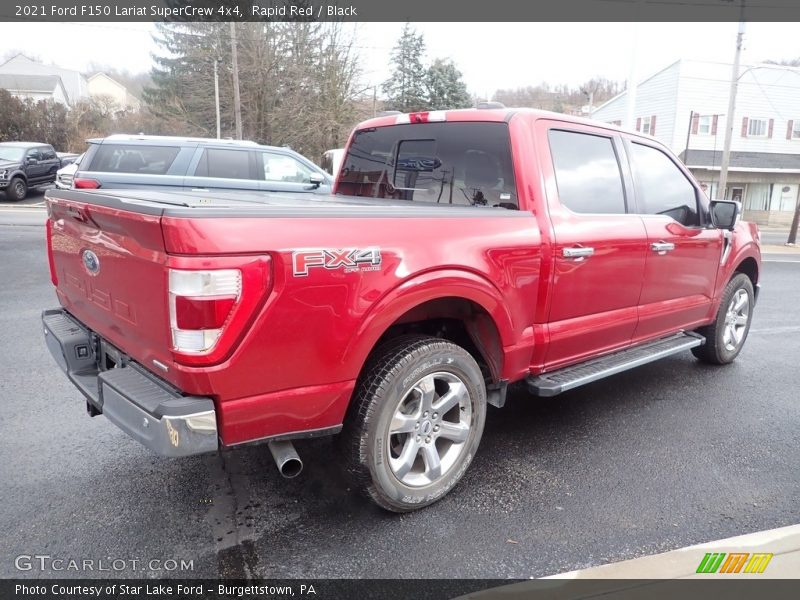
<point>496,115</point>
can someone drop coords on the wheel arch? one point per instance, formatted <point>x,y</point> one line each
<point>460,306</point>
<point>749,267</point>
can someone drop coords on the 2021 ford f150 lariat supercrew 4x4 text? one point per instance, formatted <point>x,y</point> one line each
<point>463,251</point>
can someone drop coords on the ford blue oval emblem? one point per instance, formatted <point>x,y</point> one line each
<point>91,262</point>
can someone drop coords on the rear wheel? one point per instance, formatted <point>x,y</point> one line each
<point>725,337</point>
<point>415,423</point>
<point>17,189</point>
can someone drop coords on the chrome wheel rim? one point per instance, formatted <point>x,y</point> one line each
<point>736,319</point>
<point>429,429</point>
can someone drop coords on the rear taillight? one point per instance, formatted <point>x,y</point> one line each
<point>84,183</point>
<point>50,259</point>
<point>200,303</point>
<point>210,310</point>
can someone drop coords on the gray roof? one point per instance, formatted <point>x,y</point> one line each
<point>74,83</point>
<point>29,83</point>
<point>743,160</point>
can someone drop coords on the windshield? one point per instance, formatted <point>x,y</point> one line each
<point>444,163</point>
<point>11,153</point>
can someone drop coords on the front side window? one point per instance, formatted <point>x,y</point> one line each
<point>48,154</point>
<point>281,167</point>
<point>35,154</point>
<point>443,163</point>
<point>587,172</point>
<point>225,164</point>
<point>757,128</point>
<point>661,187</point>
<point>149,160</point>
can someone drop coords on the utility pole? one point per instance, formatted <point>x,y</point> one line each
<point>216,93</point>
<point>237,106</point>
<point>726,152</point>
<point>374,100</point>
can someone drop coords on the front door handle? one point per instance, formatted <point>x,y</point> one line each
<point>662,247</point>
<point>579,252</point>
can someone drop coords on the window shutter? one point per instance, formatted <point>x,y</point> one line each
<point>639,124</point>
<point>653,125</point>
<point>789,127</point>
<point>744,127</point>
<point>769,131</point>
<point>695,122</point>
<point>714,124</point>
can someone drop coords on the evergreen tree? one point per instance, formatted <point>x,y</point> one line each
<point>405,89</point>
<point>445,88</point>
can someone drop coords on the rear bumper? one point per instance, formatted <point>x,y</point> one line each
<point>143,406</point>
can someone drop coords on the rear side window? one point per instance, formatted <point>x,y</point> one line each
<point>223,163</point>
<point>444,163</point>
<point>587,172</point>
<point>661,187</point>
<point>149,160</point>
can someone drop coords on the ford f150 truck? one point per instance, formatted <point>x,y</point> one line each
<point>462,251</point>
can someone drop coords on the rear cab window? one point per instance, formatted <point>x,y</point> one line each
<point>587,171</point>
<point>461,163</point>
<point>138,158</point>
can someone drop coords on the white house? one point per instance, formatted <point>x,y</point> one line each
<point>73,82</point>
<point>685,105</point>
<point>35,87</point>
<point>101,85</point>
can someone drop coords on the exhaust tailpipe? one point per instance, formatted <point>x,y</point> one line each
<point>286,458</point>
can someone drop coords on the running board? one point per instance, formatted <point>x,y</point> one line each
<point>550,384</point>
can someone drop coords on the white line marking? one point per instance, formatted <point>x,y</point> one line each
<point>778,260</point>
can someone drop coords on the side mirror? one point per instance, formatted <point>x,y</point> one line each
<point>31,160</point>
<point>316,179</point>
<point>725,213</point>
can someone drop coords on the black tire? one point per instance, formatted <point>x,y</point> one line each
<point>391,390</point>
<point>17,189</point>
<point>722,345</point>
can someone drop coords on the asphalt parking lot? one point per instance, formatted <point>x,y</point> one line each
<point>668,455</point>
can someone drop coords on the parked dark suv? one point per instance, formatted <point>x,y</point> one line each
<point>24,165</point>
<point>128,161</point>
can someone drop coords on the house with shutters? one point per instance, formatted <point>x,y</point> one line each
<point>685,104</point>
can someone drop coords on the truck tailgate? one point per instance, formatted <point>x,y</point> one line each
<point>109,269</point>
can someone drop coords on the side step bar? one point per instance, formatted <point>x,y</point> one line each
<point>550,384</point>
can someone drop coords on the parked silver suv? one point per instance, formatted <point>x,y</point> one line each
<point>200,164</point>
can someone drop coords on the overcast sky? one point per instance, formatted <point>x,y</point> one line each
<point>491,55</point>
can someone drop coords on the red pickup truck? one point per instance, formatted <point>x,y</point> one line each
<point>462,251</point>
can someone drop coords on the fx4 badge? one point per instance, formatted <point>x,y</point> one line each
<point>348,259</point>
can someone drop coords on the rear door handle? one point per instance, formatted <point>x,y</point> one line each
<point>577,252</point>
<point>662,247</point>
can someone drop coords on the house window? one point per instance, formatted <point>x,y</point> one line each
<point>646,125</point>
<point>757,127</point>
<point>704,125</point>
<point>796,129</point>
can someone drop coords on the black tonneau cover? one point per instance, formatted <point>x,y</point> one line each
<point>233,203</point>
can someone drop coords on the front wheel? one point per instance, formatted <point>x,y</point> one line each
<point>725,337</point>
<point>415,422</point>
<point>17,189</point>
